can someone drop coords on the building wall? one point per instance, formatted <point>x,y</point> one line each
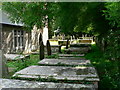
<point>8,38</point>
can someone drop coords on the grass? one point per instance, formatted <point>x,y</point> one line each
<point>52,56</point>
<point>21,64</point>
<point>107,69</point>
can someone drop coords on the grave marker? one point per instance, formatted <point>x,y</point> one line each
<point>67,43</point>
<point>45,35</point>
<point>48,48</point>
<point>41,56</point>
<point>40,38</point>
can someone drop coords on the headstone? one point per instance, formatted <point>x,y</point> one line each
<point>34,38</point>
<point>3,66</point>
<point>67,43</point>
<point>48,48</point>
<point>41,51</point>
<point>45,35</point>
<point>40,38</point>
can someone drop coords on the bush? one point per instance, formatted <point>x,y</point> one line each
<point>107,69</point>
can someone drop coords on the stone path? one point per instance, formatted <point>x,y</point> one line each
<point>10,83</point>
<point>64,62</point>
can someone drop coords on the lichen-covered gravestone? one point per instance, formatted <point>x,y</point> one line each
<point>48,48</point>
<point>3,66</point>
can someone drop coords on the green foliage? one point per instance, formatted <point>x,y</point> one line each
<point>30,13</point>
<point>107,69</point>
<point>112,13</point>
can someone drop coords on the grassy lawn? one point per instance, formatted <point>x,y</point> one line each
<point>107,70</point>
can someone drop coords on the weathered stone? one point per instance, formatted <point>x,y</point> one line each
<point>45,35</point>
<point>78,50</point>
<point>3,66</point>
<point>70,55</point>
<point>41,54</point>
<point>56,48</point>
<point>15,56</point>
<point>13,84</point>
<point>64,62</point>
<point>59,73</point>
<point>72,58</point>
<point>48,48</point>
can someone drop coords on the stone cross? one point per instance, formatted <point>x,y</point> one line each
<point>67,43</point>
<point>48,48</point>
<point>41,56</point>
<point>3,66</point>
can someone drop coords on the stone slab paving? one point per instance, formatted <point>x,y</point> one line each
<point>72,58</point>
<point>70,55</point>
<point>10,83</point>
<point>59,73</point>
<point>15,56</point>
<point>78,49</point>
<point>64,62</point>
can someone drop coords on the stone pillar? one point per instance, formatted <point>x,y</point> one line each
<point>48,48</point>
<point>3,66</point>
<point>45,35</point>
<point>41,53</point>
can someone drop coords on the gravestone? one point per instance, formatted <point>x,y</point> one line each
<point>48,48</point>
<point>41,56</point>
<point>82,74</point>
<point>45,35</point>
<point>40,38</point>
<point>67,43</point>
<point>3,66</point>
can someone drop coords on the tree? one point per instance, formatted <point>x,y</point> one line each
<point>30,13</point>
